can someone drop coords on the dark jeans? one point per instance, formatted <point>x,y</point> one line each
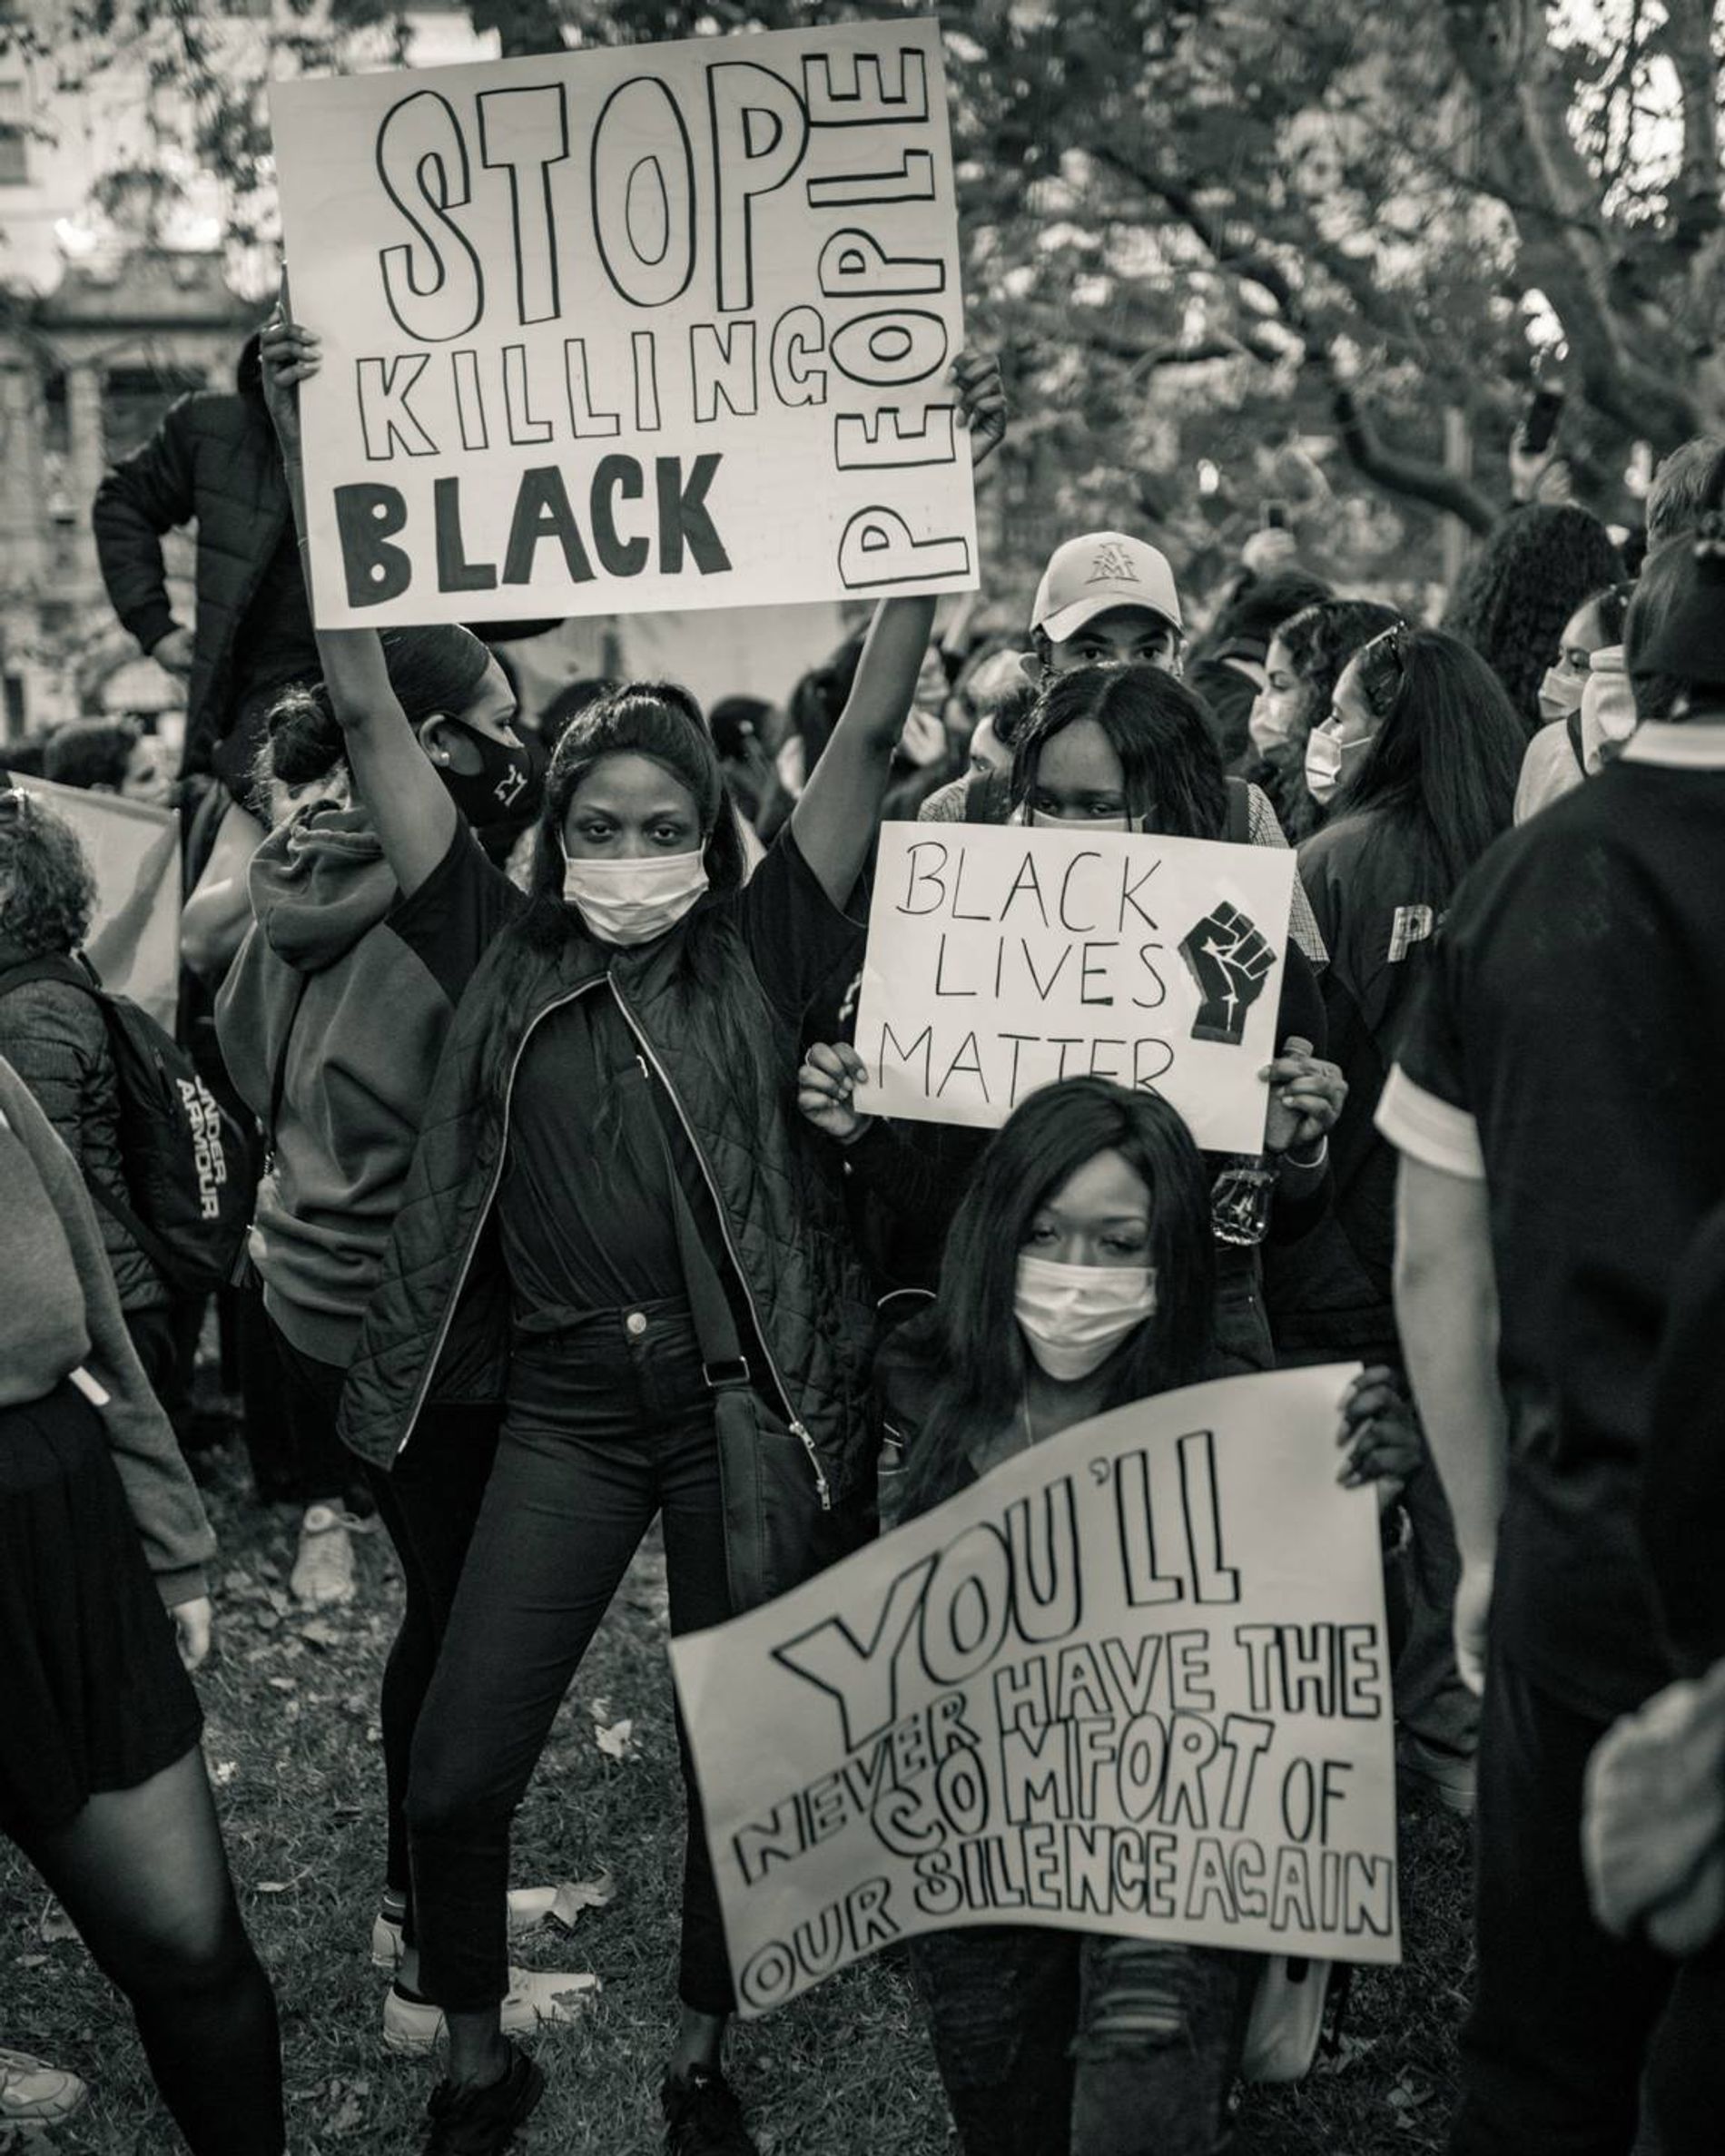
<point>1564,2014</point>
<point>290,1429</point>
<point>428,1502</point>
<point>1074,2044</point>
<point>609,1422</point>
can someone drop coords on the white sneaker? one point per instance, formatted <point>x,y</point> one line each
<point>411,2027</point>
<point>528,1909</point>
<point>322,1573</point>
<point>34,2094</point>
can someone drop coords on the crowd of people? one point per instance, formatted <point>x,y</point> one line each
<point>567,1218</point>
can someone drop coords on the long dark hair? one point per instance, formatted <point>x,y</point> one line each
<point>1319,642</point>
<point>1441,769</point>
<point>1511,600</point>
<point>1157,728</point>
<point>661,721</point>
<point>969,1340</point>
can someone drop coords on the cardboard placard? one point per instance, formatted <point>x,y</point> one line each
<point>1001,958</point>
<point>630,329</point>
<point>1134,1680</point>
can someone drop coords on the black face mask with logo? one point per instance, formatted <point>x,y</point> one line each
<point>508,786</point>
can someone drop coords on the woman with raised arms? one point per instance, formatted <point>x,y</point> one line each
<point>615,1224</point>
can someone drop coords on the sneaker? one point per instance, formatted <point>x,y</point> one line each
<point>34,2094</point>
<point>411,2027</point>
<point>322,1573</point>
<point>480,2122</point>
<point>1447,1775</point>
<point>702,2116</point>
<point>528,1909</point>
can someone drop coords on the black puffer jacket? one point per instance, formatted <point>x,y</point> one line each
<point>212,460</point>
<point>56,1041</point>
<point>438,1326</point>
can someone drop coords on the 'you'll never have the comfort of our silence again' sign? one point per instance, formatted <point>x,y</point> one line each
<point>630,329</point>
<point>1133,1680</point>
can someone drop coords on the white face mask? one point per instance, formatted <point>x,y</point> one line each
<point>1044,821</point>
<point>632,901</point>
<point>1560,691</point>
<point>1074,1317</point>
<point>1330,761</point>
<point>1269,726</point>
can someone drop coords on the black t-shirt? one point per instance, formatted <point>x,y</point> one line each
<point>585,1206</point>
<point>1565,1049</point>
<point>1377,915</point>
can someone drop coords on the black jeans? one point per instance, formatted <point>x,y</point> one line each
<point>428,1503</point>
<point>1564,2014</point>
<point>1077,2043</point>
<point>609,1422</point>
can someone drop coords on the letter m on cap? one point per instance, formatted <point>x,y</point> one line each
<point>1112,566</point>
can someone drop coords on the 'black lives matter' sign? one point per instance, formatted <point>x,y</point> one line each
<point>1136,1681</point>
<point>624,329</point>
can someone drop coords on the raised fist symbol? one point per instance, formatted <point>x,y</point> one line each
<point>1230,961</point>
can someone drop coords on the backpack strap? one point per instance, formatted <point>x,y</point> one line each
<point>1573,727</point>
<point>59,966</point>
<point>1239,830</point>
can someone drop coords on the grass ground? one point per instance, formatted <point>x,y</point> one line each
<point>293,1743</point>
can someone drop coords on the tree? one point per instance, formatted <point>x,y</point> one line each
<point>1268,237</point>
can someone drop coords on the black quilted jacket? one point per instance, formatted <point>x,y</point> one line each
<point>213,459</point>
<point>56,1041</point>
<point>438,1326</point>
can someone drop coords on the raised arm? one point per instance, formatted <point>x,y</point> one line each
<point>411,811</point>
<point>836,818</point>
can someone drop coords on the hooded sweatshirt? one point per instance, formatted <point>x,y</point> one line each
<point>324,993</point>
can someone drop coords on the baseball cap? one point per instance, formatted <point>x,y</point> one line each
<point>1096,572</point>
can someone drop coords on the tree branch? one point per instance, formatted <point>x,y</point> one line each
<point>1412,476</point>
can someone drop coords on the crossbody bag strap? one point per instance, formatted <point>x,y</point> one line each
<point>723,1362</point>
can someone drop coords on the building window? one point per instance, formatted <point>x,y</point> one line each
<point>14,135</point>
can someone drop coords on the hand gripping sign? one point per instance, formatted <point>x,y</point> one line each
<point>629,329</point>
<point>1002,957</point>
<point>1134,1680</point>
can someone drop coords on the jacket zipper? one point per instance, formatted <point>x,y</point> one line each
<point>418,1407</point>
<point>798,1429</point>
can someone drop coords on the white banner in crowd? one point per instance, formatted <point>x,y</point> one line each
<point>1134,1680</point>
<point>1002,957</point>
<point>653,327</point>
<point>133,850</point>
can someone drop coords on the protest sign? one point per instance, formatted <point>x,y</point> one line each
<point>1134,1680</point>
<point>1002,957</point>
<point>133,852</point>
<point>630,329</point>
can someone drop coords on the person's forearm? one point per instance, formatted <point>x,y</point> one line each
<point>892,653</point>
<point>352,659</point>
<point>1446,1313</point>
<point>836,820</point>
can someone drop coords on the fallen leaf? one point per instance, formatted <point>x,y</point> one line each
<point>617,1741</point>
<point>55,1925</point>
<point>576,1894</point>
<point>223,1772</point>
<point>274,1887</point>
<point>320,1632</point>
<point>600,1710</point>
<point>285,1684</point>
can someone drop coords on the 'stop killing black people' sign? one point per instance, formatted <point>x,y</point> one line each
<point>661,326</point>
